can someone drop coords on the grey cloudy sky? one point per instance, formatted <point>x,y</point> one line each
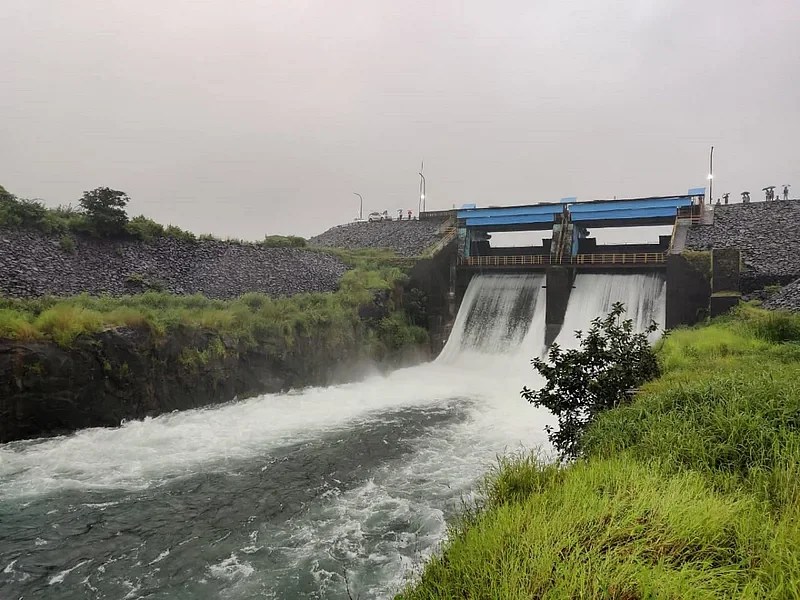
<point>244,117</point>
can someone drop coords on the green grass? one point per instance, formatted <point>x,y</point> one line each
<point>691,491</point>
<point>251,320</point>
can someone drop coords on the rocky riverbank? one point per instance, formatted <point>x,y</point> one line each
<point>34,264</point>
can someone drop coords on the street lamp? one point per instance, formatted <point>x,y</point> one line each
<point>360,206</point>
<point>711,177</point>
<point>421,189</point>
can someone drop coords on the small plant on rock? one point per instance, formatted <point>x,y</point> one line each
<point>67,244</point>
<point>581,383</point>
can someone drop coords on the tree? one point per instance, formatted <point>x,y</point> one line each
<point>581,383</point>
<point>105,210</point>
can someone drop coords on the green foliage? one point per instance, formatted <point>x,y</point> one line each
<point>396,332</point>
<point>176,232</point>
<point>195,359</point>
<point>67,244</point>
<point>277,324</point>
<point>613,528</point>
<point>284,241</point>
<point>32,214</point>
<point>582,383</point>
<point>416,303</point>
<point>105,211</point>
<point>728,404</point>
<point>21,212</point>
<point>144,229</point>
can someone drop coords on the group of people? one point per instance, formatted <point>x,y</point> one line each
<point>769,195</point>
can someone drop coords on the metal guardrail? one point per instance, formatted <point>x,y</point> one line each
<point>643,258</point>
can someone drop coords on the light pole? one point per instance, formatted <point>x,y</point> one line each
<point>711,177</point>
<point>421,189</point>
<point>360,206</point>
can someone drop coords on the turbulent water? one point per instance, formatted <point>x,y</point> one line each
<point>311,494</point>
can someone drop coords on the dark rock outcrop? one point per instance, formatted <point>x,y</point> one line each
<point>767,233</point>
<point>34,264</point>
<point>406,238</point>
<point>123,374</point>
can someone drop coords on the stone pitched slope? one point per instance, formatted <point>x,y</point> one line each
<point>768,233</point>
<point>34,264</point>
<point>406,238</point>
<point>786,299</point>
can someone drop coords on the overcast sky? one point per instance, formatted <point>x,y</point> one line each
<point>244,117</point>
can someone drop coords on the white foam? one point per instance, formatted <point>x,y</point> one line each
<point>159,558</point>
<point>231,568</point>
<point>63,574</point>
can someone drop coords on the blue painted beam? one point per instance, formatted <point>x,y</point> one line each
<point>627,205</point>
<point>509,220</point>
<point>511,211</point>
<point>641,213</point>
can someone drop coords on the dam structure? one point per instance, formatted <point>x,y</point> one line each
<point>572,250</point>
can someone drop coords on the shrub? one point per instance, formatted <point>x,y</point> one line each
<point>176,232</point>
<point>284,241</point>
<point>144,229</point>
<point>582,383</point>
<point>18,212</point>
<point>67,244</point>
<point>105,211</point>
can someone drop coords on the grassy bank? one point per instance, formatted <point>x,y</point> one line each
<point>691,491</point>
<point>253,319</point>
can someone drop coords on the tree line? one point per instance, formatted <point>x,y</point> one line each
<point>101,213</point>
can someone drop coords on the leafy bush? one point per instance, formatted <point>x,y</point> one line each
<point>16,212</point>
<point>67,244</point>
<point>144,229</point>
<point>284,241</point>
<point>395,332</point>
<point>176,232</point>
<point>582,383</point>
<point>105,211</point>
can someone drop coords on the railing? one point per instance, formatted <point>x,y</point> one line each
<point>642,258</point>
<point>448,235</point>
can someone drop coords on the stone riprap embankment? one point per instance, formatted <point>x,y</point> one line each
<point>406,238</point>
<point>788,298</point>
<point>767,233</point>
<point>33,264</point>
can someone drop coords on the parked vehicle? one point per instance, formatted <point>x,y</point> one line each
<point>378,216</point>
